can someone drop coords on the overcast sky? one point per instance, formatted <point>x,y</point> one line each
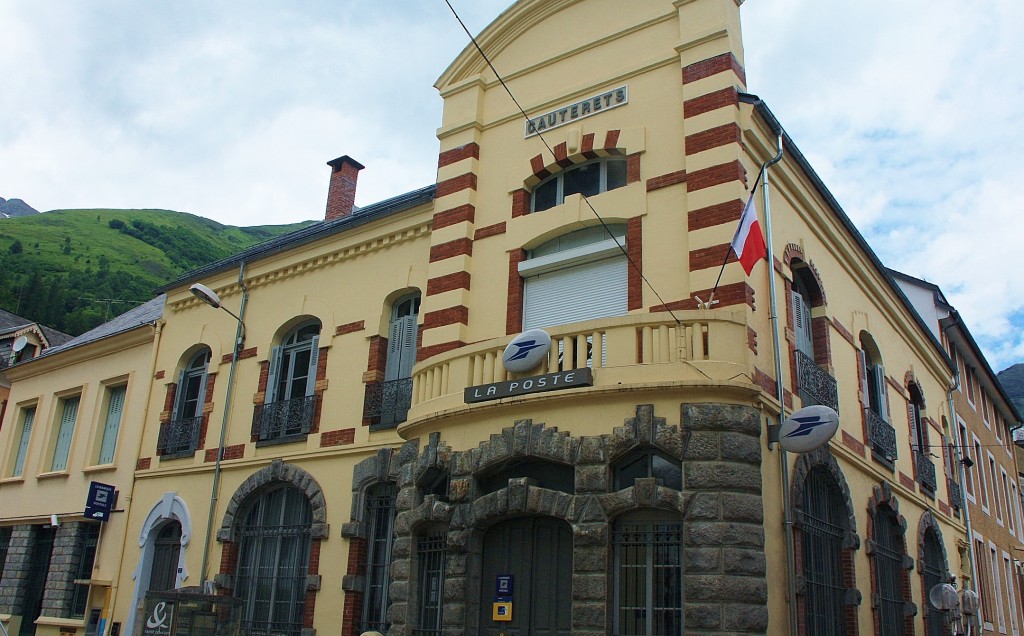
<point>910,111</point>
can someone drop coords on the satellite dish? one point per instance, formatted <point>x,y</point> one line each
<point>19,344</point>
<point>943,597</point>
<point>970,603</point>
<point>808,429</point>
<point>526,351</point>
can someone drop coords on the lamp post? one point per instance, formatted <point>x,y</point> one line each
<point>210,297</point>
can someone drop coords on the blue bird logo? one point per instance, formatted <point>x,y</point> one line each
<point>525,347</point>
<point>807,425</point>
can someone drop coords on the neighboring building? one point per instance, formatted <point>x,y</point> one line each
<point>362,458</point>
<point>75,417</point>
<point>21,339</point>
<point>985,416</point>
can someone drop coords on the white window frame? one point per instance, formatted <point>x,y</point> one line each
<point>559,178</point>
<point>981,469</point>
<point>997,585</point>
<point>996,504</point>
<point>966,450</point>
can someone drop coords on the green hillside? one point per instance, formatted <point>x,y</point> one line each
<point>71,269</point>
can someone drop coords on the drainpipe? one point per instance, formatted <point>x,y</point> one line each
<point>958,446</point>
<point>214,489</point>
<point>780,393</point>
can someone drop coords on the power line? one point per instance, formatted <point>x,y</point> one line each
<point>540,135</point>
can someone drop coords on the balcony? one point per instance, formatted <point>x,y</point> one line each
<point>179,437</point>
<point>926,472</point>
<point>704,349</point>
<point>882,436</point>
<point>386,404</point>
<point>817,386</point>
<point>284,420</point>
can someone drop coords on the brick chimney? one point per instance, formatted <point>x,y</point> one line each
<point>341,195</point>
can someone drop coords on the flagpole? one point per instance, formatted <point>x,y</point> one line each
<point>728,252</point>
<point>780,393</point>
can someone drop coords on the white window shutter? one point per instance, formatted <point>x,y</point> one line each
<point>883,401</point>
<point>802,325</point>
<point>865,395</point>
<point>202,396</point>
<point>113,425</point>
<point>401,348</point>
<point>915,434</point>
<point>26,435</point>
<point>275,368</point>
<point>314,357</point>
<point>581,292</point>
<point>62,448</point>
<point>179,397</point>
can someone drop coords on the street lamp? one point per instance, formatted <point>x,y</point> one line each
<point>210,297</point>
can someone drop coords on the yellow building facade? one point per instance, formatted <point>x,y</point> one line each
<point>345,448</point>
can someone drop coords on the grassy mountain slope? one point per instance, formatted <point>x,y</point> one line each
<point>66,268</point>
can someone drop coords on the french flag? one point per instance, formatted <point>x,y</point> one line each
<point>748,242</point>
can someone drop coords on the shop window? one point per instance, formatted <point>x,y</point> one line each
<point>380,519</point>
<point>180,435</point>
<point>111,424</point>
<point>588,179</point>
<point>544,474</point>
<point>65,433</point>
<point>291,403</point>
<point>648,574</point>
<point>273,562</point>
<point>825,522</point>
<point>647,462</point>
<point>581,275</point>
<point>431,554</point>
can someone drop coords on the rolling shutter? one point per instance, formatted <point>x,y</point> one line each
<point>582,292</point>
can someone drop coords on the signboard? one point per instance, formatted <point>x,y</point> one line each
<point>578,110</point>
<point>159,616</point>
<point>534,384</point>
<point>501,612</point>
<point>526,351</point>
<point>503,585</point>
<point>100,501</point>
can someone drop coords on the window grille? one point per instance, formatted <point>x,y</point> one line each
<point>888,568</point>
<point>933,573</point>
<point>273,563</point>
<point>648,578</point>
<point>380,518</point>
<point>822,537</point>
<point>432,550</point>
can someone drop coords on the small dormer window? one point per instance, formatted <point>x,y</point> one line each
<point>588,179</point>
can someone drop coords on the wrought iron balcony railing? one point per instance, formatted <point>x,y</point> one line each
<point>926,472</point>
<point>816,383</point>
<point>387,403</point>
<point>881,435</point>
<point>179,436</point>
<point>277,420</point>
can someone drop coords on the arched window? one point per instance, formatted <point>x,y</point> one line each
<point>825,523</point>
<point>290,403</point>
<point>874,400</point>
<point>588,179</point>
<point>933,572</point>
<point>888,556</point>
<point>577,276</point>
<point>380,519</point>
<point>181,433</point>
<point>923,465</point>
<point>273,562</point>
<point>647,462</point>
<point>546,474</point>
<point>388,402</point>
<point>648,574</point>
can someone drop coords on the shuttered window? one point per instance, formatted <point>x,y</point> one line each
<point>115,407</point>
<point>802,325</point>
<point>62,448</point>
<point>26,434</point>
<point>575,277</point>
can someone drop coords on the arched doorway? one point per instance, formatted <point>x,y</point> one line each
<point>536,552</point>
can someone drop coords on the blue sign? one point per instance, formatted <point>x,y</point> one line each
<point>503,585</point>
<point>100,501</point>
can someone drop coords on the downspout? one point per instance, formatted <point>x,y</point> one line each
<point>159,327</point>
<point>214,489</point>
<point>958,446</point>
